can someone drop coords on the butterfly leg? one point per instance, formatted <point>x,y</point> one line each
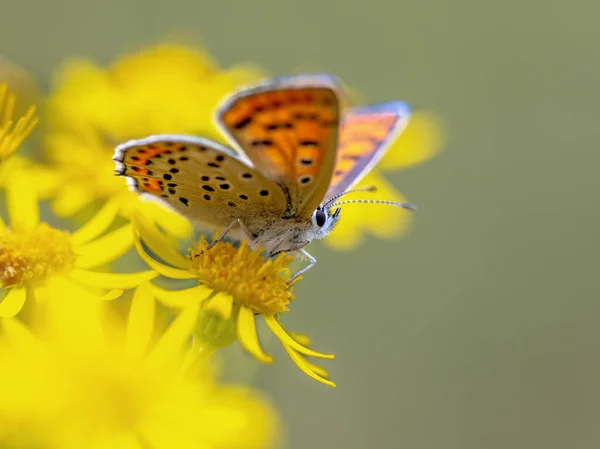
<point>224,234</point>
<point>311,263</point>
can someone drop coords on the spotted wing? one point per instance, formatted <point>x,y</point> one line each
<point>202,180</point>
<point>288,128</point>
<point>365,135</point>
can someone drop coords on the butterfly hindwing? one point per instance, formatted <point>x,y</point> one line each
<point>288,128</point>
<point>202,180</point>
<point>366,133</point>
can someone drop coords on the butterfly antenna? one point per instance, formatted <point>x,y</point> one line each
<point>359,189</point>
<point>389,203</point>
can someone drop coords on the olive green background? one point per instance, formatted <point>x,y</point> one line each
<point>480,329</point>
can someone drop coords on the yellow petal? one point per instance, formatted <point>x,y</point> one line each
<point>280,333</point>
<point>111,295</point>
<point>72,309</point>
<point>311,366</point>
<point>178,299</point>
<point>69,200</point>
<point>307,368</point>
<point>220,305</point>
<point>67,287</point>
<point>105,249</point>
<point>98,224</point>
<point>21,202</point>
<point>247,336</point>
<point>13,302</point>
<point>18,333</point>
<point>422,139</point>
<point>302,339</point>
<point>141,320</point>
<point>161,245</point>
<point>178,333</point>
<point>111,280</point>
<point>174,223</point>
<point>165,270</point>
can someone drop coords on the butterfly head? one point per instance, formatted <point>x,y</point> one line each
<point>323,220</point>
<point>327,215</point>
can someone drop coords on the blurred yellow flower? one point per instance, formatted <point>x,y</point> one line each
<point>21,83</point>
<point>162,89</point>
<point>37,260</point>
<point>422,139</point>
<point>81,376</point>
<point>234,286</point>
<point>13,134</point>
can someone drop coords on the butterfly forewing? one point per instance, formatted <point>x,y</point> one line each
<point>201,179</point>
<point>365,135</point>
<point>288,128</point>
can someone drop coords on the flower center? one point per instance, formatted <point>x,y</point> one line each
<point>253,282</point>
<point>31,255</point>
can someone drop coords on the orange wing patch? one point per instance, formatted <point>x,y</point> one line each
<point>360,137</point>
<point>138,162</point>
<point>290,133</point>
<point>365,135</point>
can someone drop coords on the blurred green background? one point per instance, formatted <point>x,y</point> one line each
<point>480,329</point>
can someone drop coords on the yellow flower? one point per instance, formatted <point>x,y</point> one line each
<point>37,260</point>
<point>82,376</point>
<point>233,287</point>
<point>13,134</point>
<point>422,139</point>
<point>163,89</point>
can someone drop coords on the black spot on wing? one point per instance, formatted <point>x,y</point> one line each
<point>261,142</point>
<point>309,143</point>
<point>243,123</point>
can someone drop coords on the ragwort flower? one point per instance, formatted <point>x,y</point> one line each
<point>234,286</point>
<point>81,376</point>
<point>164,89</point>
<point>38,260</point>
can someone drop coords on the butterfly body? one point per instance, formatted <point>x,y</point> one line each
<point>295,149</point>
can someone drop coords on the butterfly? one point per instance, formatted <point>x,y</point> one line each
<point>296,152</point>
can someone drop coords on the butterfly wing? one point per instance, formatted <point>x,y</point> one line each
<point>288,128</point>
<point>365,135</point>
<point>204,181</point>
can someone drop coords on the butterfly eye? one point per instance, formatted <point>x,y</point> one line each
<point>319,217</point>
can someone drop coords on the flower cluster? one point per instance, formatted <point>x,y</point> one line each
<point>108,329</point>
